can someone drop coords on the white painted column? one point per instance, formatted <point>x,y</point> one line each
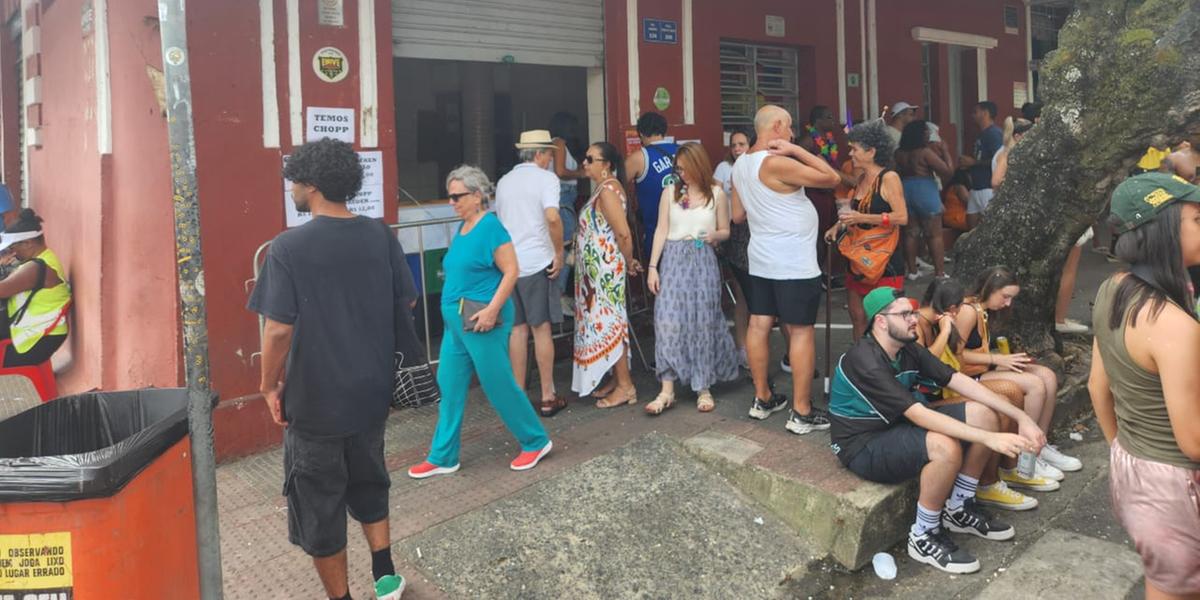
<point>295,94</point>
<point>270,92</point>
<point>368,76</point>
<point>597,115</point>
<point>631,46</point>
<point>689,68</point>
<point>1028,51</point>
<point>862,70</point>
<point>103,79</point>
<point>873,45</point>
<point>981,74</point>
<point>841,57</point>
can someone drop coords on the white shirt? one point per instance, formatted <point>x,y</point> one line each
<point>724,176</point>
<point>690,223</point>
<point>783,227</point>
<point>522,197</point>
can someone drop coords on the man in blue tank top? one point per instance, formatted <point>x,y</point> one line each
<point>651,169</point>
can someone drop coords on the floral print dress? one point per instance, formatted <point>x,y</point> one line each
<point>601,325</point>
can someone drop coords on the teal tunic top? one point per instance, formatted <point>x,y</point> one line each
<point>470,266</point>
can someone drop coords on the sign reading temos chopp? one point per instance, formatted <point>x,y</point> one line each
<point>336,123</point>
<point>36,566</point>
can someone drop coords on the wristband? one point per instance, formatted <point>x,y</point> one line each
<point>887,219</point>
<point>655,267</point>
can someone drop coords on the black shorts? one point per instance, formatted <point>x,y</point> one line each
<point>898,453</point>
<point>323,477</point>
<point>794,301</point>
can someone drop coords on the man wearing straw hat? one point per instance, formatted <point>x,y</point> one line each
<point>527,205</point>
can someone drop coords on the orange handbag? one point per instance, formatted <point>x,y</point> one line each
<point>869,249</point>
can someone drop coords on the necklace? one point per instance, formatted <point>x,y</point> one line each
<point>826,144</point>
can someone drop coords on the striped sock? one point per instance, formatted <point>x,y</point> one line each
<point>964,489</point>
<point>927,520</point>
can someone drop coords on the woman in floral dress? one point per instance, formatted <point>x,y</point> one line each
<point>603,259</point>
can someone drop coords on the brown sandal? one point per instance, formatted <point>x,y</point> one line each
<point>661,403</point>
<point>705,402</point>
<point>618,398</point>
<point>549,408</point>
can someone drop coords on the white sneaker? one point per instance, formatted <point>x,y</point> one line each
<point>1051,454</point>
<point>1048,471</point>
<point>1070,326</point>
<point>922,265</point>
<point>913,276</point>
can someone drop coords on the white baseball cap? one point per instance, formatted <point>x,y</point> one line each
<point>901,106</point>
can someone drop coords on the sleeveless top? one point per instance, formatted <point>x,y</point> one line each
<point>1143,425</point>
<point>571,165</point>
<point>689,223</point>
<point>783,227</point>
<point>45,313</point>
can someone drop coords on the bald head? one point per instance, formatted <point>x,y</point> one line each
<point>772,123</point>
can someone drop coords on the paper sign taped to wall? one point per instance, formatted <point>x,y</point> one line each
<point>36,564</point>
<point>368,202</point>
<point>322,122</point>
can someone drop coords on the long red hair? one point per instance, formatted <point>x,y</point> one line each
<point>692,158</point>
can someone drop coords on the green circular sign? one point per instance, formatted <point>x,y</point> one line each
<point>662,98</point>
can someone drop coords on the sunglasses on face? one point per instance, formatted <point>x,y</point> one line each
<point>456,197</point>
<point>589,159</point>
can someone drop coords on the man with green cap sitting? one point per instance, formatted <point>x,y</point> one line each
<point>883,430</point>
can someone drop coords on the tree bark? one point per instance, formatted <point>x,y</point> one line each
<point>1125,71</point>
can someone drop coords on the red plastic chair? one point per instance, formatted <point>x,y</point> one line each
<point>41,376</point>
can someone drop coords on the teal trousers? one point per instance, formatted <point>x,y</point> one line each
<point>485,355</point>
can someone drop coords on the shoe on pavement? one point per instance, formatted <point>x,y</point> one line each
<point>762,409</point>
<point>389,587</point>
<point>785,364</point>
<point>971,519</point>
<point>999,495</point>
<point>815,420</point>
<point>934,548</point>
<point>1051,454</point>
<point>1070,326</point>
<point>1035,483</point>
<point>428,469</point>
<point>529,459</point>
<point>913,276</point>
<point>1048,471</point>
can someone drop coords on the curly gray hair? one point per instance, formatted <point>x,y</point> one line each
<point>874,134</point>
<point>473,178</point>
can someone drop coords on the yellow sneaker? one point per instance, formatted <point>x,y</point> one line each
<point>999,495</point>
<point>1035,483</point>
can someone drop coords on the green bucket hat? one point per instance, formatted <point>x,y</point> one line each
<point>879,299</point>
<point>1140,198</point>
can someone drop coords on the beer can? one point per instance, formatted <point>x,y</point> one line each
<point>1002,345</point>
<point>1026,464</point>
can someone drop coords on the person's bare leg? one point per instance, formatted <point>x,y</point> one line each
<point>1050,382</point>
<point>377,534</point>
<point>858,316</point>
<point>912,234</point>
<point>741,316</point>
<point>802,354</point>
<point>1032,386</point>
<point>332,571</point>
<point>621,370</point>
<point>1066,287</point>
<point>1153,593</point>
<point>980,417</point>
<point>758,353</point>
<point>937,476</point>
<point>518,352</point>
<point>543,350</point>
<point>972,220</point>
<point>937,248</point>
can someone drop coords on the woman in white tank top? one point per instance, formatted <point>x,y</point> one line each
<point>692,341</point>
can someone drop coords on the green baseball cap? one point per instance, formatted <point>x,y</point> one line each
<point>879,299</point>
<point>1140,198</point>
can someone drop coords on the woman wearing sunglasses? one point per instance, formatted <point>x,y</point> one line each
<point>603,259</point>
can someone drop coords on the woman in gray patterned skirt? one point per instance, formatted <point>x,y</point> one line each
<point>692,341</point>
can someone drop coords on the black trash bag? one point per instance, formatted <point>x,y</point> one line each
<point>89,445</point>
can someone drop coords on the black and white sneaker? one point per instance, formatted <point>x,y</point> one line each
<point>976,521</point>
<point>762,409</point>
<point>815,420</point>
<point>936,550</point>
<point>785,364</point>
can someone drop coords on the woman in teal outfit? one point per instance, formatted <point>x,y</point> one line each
<point>481,269</point>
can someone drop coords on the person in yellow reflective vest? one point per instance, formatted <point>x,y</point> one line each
<point>36,294</point>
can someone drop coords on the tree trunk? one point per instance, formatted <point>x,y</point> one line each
<point>1125,71</point>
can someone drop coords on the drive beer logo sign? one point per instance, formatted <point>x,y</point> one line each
<point>331,64</point>
<point>36,567</point>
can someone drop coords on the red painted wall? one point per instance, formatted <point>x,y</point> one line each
<point>241,189</point>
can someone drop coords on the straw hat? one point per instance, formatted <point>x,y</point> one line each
<point>535,139</point>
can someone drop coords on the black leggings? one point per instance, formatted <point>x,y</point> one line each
<point>41,351</point>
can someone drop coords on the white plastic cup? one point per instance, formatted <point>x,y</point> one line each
<point>885,565</point>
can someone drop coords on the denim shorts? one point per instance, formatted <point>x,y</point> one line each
<point>326,477</point>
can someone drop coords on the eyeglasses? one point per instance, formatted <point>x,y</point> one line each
<point>904,314</point>
<point>589,159</point>
<point>456,197</point>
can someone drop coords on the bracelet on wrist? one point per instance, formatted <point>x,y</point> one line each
<point>655,267</point>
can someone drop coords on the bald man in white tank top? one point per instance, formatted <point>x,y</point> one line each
<point>785,278</point>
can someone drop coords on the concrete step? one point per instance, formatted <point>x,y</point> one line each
<point>1063,564</point>
<point>800,480</point>
<point>645,520</point>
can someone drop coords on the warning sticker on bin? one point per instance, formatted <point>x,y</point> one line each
<point>36,566</point>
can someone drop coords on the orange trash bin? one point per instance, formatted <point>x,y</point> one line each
<point>96,499</point>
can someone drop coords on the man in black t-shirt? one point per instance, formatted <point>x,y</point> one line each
<point>330,291</point>
<point>883,430</point>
